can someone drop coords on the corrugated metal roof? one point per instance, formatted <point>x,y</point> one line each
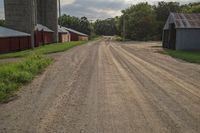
<point>184,20</point>
<point>62,29</point>
<point>6,32</point>
<point>74,31</point>
<point>40,27</point>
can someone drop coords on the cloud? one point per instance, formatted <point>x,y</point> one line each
<point>98,9</point>
<point>1,9</point>
<point>65,2</point>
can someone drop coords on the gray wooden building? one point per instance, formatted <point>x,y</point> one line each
<point>182,31</point>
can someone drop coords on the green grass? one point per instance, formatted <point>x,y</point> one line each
<point>46,49</point>
<point>12,76</point>
<point>189,56</point>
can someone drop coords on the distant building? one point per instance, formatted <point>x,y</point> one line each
<point>23,15</point>
<point>76,35</point>
<point>12,40</point>
<point>64,35</point>
<point>43,35</point>
<point>182,31</point>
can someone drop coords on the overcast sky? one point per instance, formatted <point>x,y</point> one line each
<point>98,9</point>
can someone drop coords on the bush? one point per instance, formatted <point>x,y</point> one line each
<point>12,76</point>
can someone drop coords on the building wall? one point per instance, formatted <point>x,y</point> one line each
<point>188,39</point>
<point>48,37</point>
<point>83,38</point>
<point>39,38</point>
<point>74,37</point>
<point>41,12</point>
<point>4,45</point>
<point>64,37</point>
<point>42,37</point>
<point>47,15</point>
<point>14,44</point>
<point>25,43</point>
<point>18,15</point>
<point>52,16</point>
<point>165,39</point>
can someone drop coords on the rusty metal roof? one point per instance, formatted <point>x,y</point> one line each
<point>184,20</point>
<point>62,29</point>
<point>74,31</point>
<point>40,27</point>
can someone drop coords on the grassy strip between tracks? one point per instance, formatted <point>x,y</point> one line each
<point>13,76</point>
<point>189,56</point>
<point>46,49</point>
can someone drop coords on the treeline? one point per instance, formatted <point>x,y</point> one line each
<point>105,27</point>
<point>99,27</point>
<point>143,21</point>
<point>80,24</point>
<point>138,22</point>
<point>2,22</point>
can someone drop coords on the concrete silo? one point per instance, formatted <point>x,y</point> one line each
<point>23,15</point>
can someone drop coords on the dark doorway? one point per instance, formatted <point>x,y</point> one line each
<point>166,39</point>
<point>172,36</point>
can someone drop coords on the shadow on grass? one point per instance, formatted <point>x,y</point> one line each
<point>189,56</point>
<point>156,46</point>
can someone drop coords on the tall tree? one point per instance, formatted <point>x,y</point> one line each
<point>191,8</point>
<point>140,22</point>
<point>105,27</point>
<point>162,11</point>
<point>79,24</point>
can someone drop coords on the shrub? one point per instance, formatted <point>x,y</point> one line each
<point>12,76</point>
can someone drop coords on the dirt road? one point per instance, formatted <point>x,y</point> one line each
<point>108,87</point>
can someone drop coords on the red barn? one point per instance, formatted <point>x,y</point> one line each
<point>76,35</point>
<point>64,35</point>
<point>43,35</point>
<point>12,40</point>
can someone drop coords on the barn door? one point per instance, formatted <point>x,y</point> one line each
<point>165,39</point>
<point>172,36</point>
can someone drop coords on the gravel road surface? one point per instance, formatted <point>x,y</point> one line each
<point>109,87</point>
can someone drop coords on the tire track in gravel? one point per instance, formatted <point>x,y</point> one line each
<point>107,87</point>
<point>164,96</point>
<point>65,113</point>
<point>170,65</point>
<point>157,120</point>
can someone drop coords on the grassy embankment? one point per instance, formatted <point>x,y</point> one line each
<point>189,56</point>
<point>13,76</point>
<point>46,49</point>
